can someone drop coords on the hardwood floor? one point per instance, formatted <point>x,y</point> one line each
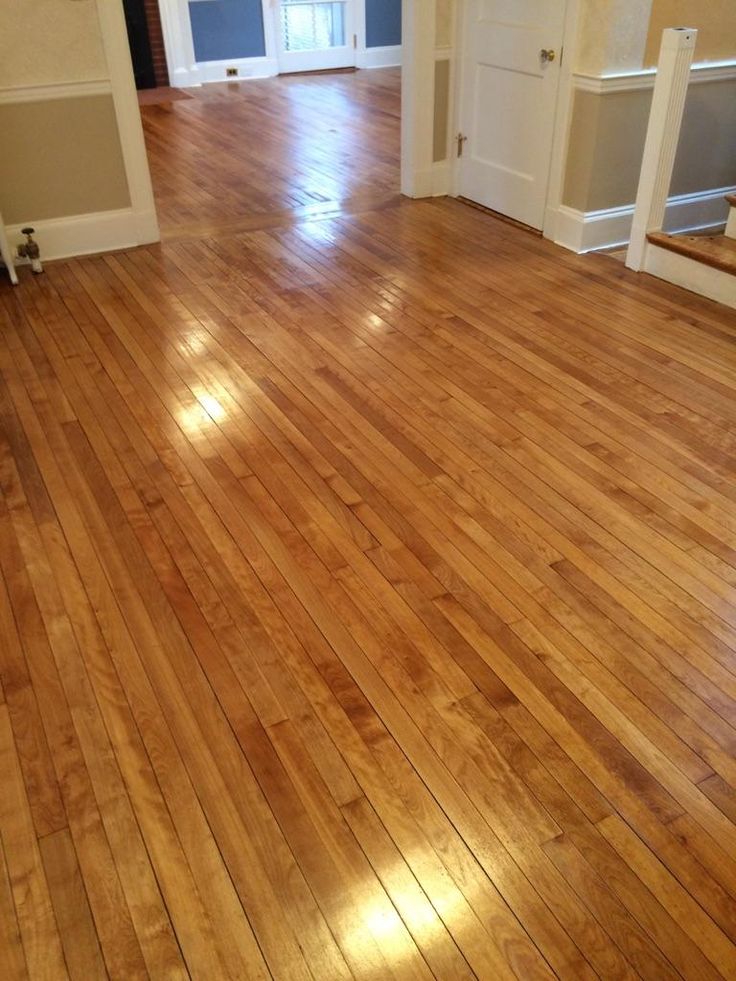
<point>367,607</point>
<point>264,152</point>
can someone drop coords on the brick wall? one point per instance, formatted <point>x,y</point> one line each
<point>156,38</point>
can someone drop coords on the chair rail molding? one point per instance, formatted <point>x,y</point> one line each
<point>55,90</point>
<point>644,80</point>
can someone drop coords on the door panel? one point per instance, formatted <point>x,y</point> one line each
<point>314,34</point>
<point>507,103</point>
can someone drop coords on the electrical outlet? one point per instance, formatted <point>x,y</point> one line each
<point>231,72</point>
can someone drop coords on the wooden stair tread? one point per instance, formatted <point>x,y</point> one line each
<point>713,250</point>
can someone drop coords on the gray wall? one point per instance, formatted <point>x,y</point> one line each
<point>607,143</point>
<point>382,23</point>
<point>223,29</point>
<point>60,157</point>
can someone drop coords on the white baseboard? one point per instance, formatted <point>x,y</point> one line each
<point>215,71</point>
<point>691,275</point>
<point>103,231</point>
<point>586,231</point>
<point>388,57</point>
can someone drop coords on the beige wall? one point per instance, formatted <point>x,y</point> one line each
<point>714,19</point>
<point>46,41</point>
<point>65,159</point>
<point>613,35</point>
<point>607,142</point>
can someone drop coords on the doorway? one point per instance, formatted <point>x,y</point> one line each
<point>509,78</point>
<point>136,22</point>
<point>315,36</point>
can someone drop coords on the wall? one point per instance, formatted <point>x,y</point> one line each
<point>47,41</point>
<point>50,175</point>
<point>607,143</point>
<point>612,35</point>
<point>62,157</point>
<point>227,29</point>
<point>233,29</point>
<point>714,19</point>
<point>382,23</point>
<point>609,122</point>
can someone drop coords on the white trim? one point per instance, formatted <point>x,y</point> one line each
<point>582,231</point>
<point>83,234</point>
<point>6,253</point>
<point>417,98</point>
<point>385,57</point>
<point>215,71</point>
<point>663,135</point>
<point>176,28</point>
<point>442,178</point>
<point>56,90</point>
<point>563,120</point>
<point>691,275</point>
<point>731,223</point>
<point>127,112</point>
<point>644,80</point>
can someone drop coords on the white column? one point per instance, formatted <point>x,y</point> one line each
<point>417,97</point>
<point>663,135</point>
<point>128,116</point>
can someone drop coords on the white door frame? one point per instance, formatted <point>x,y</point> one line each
<point>185,71</point>
<point>127,113</point>
<point>563,112</point>
<point>344,56</point>
<point>417,117</point>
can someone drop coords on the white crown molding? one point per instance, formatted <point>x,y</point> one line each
<point>644,80</point>
<point>55,90</point>
<point>586,231</point>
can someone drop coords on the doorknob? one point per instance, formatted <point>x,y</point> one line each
<point>547,54</point>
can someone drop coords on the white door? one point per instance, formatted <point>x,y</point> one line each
<point>509,75</point>
<point>312,35</point>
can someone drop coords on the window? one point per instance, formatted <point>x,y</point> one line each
<point>308,26</point>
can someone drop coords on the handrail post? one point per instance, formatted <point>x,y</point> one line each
<point>663,134</point>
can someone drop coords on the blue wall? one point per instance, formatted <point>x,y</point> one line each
<point>224,29</point>
<point>382,23</point>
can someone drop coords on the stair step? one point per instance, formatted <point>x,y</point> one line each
<point>718,251</point>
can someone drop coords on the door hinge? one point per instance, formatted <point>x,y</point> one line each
<point>355,41</point>
<point>460,139</point>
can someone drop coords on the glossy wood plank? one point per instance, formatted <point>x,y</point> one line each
<point>367,582</point>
